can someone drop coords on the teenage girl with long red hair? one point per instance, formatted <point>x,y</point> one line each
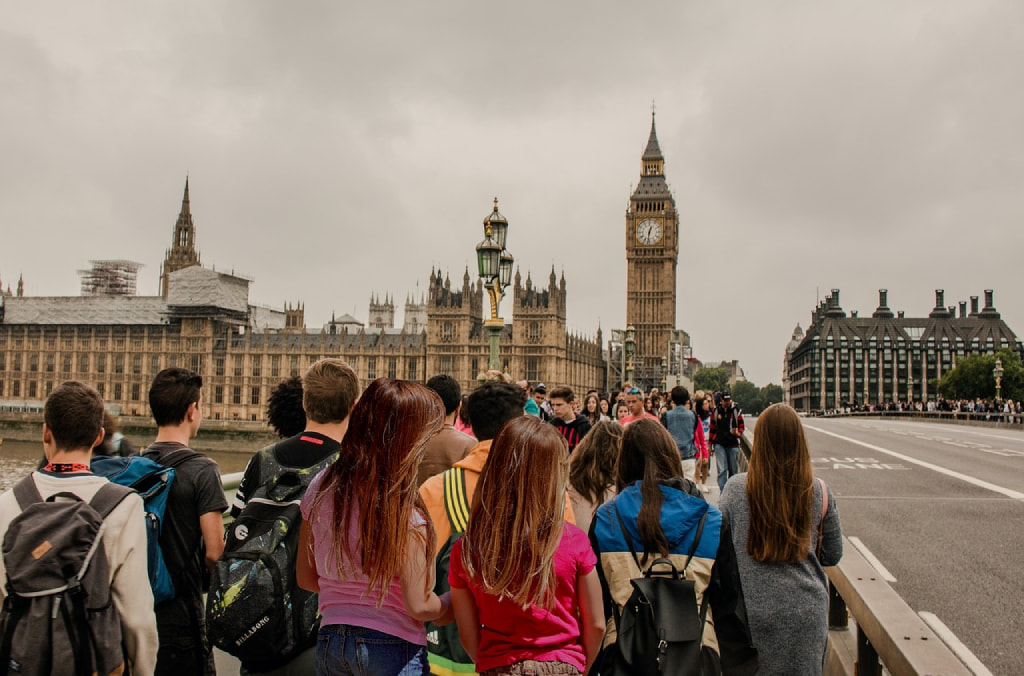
<point>366,538</point>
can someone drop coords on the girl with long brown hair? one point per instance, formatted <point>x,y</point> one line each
<point>782,541</point>
<point>523,583</point>
<point>658,513</point>
<point>366,538</point>
<point>592,471</point>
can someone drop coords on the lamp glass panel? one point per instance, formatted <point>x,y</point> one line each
<point>506,268</point>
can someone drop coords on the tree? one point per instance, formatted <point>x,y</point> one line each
<point>711,379</point>
<point>771,394</point>
<point>747,396</point>
<point>972,377</point>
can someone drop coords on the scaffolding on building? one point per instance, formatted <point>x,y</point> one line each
<point>110,278</point>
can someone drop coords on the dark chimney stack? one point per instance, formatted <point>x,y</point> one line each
<point>900,314</point>
<point>883,311</point>
<point>988,300</point>
<point>974,307</point>
<point>963,309</point>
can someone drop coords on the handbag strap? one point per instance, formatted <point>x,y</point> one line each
<point>632,548</point>
<point>824,510</point>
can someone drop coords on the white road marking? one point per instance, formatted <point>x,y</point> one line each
<point>1016,495</point>
<point>955,644</point>
<point>872,559</point>
<point>963,429</point>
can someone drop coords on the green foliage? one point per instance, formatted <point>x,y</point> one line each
<point>972,377</point>
<point>712,379</point>
<point>747,396</point>
<point>771,394</point>
<point>753,399</point>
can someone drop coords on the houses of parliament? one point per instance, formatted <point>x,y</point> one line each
<point>202,320</point>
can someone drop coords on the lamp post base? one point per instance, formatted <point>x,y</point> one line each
<point>494,327</point>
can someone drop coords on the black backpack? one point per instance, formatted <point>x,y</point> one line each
<point>58,617</point>
<point>660,627</point>
<point>444,649</point>
<point>255,610</point>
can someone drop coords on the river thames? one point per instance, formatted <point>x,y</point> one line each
<point>18,458</point>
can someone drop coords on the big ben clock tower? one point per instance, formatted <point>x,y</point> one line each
<point>652,252</point>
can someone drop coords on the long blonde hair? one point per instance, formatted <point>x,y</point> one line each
<point>516,523</point>
<point>780,488</point>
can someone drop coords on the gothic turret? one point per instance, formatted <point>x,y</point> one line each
<point>182,253</point>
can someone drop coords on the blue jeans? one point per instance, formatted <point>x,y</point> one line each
<point>343,649</point>
<point>727,459</point>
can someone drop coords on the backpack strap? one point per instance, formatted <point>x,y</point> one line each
<point>456,504</point>
<point>824,511</point>
<point>632,549</point>
<point>108,497</point>
<point>27,493</point>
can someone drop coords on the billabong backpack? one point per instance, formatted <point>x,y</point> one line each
<point>152,481</point>
<point>255,610</point>
<point>58,617</point>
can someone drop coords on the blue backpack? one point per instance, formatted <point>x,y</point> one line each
<point>152,481</point>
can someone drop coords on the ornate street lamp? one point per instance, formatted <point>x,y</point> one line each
<point>998,373</point>
<point>494,263</point>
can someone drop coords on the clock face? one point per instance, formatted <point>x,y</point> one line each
<point>649,232</point>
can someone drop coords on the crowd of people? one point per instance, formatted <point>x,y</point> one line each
<point>1005,410</point>
<point>496,532</point>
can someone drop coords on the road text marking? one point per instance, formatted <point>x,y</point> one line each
<point>872,559</point>
<point>955,644</point>
<point>1016,495</point>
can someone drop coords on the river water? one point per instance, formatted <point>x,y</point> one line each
<point>18,458</point>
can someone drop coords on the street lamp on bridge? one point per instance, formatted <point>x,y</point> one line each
<point>998,373</point>
<point>494,264</point>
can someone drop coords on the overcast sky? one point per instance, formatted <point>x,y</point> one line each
<point>341,149</point>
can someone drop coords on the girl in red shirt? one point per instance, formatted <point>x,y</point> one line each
<point>524,587</point>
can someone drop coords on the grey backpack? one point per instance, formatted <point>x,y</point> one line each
<point>58,617</point>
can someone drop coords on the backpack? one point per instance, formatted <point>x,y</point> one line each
<point>255,610</point>
<point>152,481</point>
<point>58,617</point>
<point>444,649</point>
<point>660,629</point>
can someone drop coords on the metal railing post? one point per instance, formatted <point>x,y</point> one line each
<point>838,618</point>
<point>867,658</point>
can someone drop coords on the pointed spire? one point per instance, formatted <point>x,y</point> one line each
<point>21,285</point>
<point>185,206</point>
<point>653,150</point>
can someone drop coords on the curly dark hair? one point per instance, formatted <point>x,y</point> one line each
<point>284,408</point>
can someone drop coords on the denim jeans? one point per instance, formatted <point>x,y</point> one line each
<point>349,650</point>
<point>727,459</point>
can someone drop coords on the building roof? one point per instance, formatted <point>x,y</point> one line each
<point>198,287</point>
<point>89,310</point>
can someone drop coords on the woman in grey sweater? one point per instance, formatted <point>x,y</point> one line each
<point>775,513</point>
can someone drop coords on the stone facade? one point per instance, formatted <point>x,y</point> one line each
<point>203,321</point>
<point>845,360</point>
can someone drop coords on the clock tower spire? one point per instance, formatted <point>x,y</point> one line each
<point>652,254</point>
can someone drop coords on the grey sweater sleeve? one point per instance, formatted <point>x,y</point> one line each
<point>832,539</point>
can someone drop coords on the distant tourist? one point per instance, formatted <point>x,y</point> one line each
<point>449,445</point>
<point>688,434</point>
<point>637,405</point>
<point>369,543</point>
<point>284,408</point>
<point>534,607</point>
<point>572,425</point>
<point>782,544</point>
<point>114,443</point>
<point>193,529</point>
<point>726,430</point>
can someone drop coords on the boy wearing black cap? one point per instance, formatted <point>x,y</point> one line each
<point>726,430</point>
